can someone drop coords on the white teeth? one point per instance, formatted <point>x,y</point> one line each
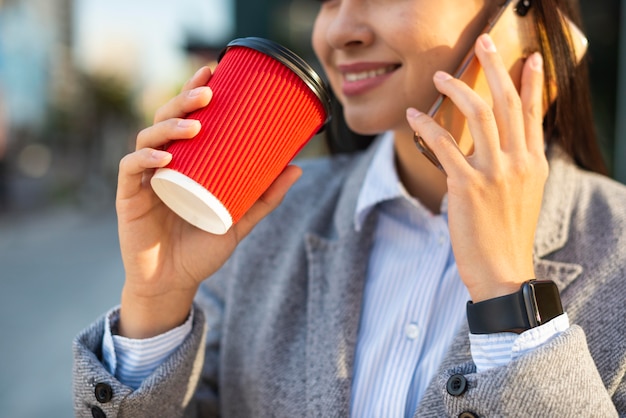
<point>350,77</point>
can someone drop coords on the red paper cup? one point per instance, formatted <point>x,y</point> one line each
<point>267,104</point>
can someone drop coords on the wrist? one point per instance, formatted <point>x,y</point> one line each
<point>145,317</point>
<point>493,290</point>
<point>497,282</point>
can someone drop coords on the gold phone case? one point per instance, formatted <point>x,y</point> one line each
<point>516,38</point>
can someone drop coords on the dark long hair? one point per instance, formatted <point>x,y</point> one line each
<point>569,121</point>
<point>339,137</point>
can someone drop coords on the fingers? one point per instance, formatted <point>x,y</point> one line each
<point>438,139</point>
<point>133,167</point>
<point>169,122</point>
<point>169,125</point>
<point>200,78</point>
<point>163,132</point>
<point>495,124</point>
<point>513,122</point>
<point>480,118</point>
<point>507,105</point>
<point>533,107</point>
<point>194,95</point>
<point>269,200</point>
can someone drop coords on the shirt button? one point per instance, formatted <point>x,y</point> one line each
<point>412,331</point>
<point>442,239</point>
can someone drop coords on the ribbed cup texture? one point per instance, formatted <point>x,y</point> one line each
<point>260,116</point>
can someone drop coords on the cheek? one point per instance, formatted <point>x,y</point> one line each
<point>320,47</point>
<point>324,53</point>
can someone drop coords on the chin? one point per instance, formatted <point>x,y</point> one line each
<point>363,125</point>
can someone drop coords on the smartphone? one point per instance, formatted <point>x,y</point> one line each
<point>514,33</point>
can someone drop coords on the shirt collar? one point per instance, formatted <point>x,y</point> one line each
<point>383,184</point>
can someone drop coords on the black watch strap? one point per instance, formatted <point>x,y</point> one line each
<point>501,314</point>
<point>537,302</point>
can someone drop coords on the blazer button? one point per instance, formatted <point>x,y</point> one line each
<point>468,414</point>
<point>457,385</point>
<point>103,392</point>
<point>97,412</point>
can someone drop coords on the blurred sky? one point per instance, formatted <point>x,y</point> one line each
<point>144,38</point>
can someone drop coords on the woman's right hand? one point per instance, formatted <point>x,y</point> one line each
<point>166,258</point>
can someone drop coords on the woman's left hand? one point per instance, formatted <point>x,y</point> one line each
<point>494,194</point>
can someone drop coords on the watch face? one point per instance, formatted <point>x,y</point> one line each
<point>548,300</point>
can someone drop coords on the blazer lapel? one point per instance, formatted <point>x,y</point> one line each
<point>338,261</point>
<point>337,270</point>
<point>554,221</point>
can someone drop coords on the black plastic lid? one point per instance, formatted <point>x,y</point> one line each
<point>292,61</point>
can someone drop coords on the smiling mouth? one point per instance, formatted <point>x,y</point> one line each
<point>364,75</point>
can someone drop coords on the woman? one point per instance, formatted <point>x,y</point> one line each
<point>350,298</point>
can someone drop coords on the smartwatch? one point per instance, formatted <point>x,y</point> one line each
<point>537,302</point>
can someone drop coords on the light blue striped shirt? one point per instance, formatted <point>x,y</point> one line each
<point>414,303</point>
<point>131,361</point>
<point>414,300</point>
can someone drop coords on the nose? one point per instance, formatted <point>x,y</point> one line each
<point>350,26</point>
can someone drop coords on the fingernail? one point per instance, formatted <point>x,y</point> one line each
<point>187,123</point>
<point>442,75</point>
<point>536,62</point>
<point>487,43</point>
<point>196,92</point>
<point>159,155</point>
<point>200,70</point>
<point>413,113</point>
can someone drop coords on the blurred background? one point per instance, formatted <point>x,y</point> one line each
<point>78,80</point>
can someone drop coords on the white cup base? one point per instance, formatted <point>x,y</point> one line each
<point>191,201</point>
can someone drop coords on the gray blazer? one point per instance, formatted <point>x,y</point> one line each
<point>282,316</point>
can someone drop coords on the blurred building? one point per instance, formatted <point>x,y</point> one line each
<point>35,43</point>
<point>55,114</point>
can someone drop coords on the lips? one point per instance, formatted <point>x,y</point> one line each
<point>359,78</point>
